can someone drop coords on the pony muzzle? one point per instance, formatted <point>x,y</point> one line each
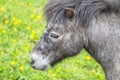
<point>38,62</point>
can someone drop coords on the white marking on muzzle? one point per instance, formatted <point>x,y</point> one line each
<point>39,62</point>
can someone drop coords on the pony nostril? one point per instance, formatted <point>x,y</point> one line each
<point>32,62</point>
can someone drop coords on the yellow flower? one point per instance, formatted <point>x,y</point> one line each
<point>21,4</point>
<point>87,57</point>
<point>33,32</point>
<point>32,16</point>
<point>28,28</point>
<point>2,53</point>
<point>38,18</point>
<point>6,21</point>
<point>3,31</point>
<point>31,36</point>
<point>3,10</point>
<point>19,21</point>
<point>16,22</point>
<point>30,4</point>
<point>12,63</point>
<point>58,69</point>
<point>14,40</point>
<point>26,48</point>
<point>22,68</point>
<point>51,73</point>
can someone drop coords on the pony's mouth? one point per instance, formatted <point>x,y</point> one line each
<point>42,68</point>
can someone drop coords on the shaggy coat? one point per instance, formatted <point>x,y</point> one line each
<point>76,24</point>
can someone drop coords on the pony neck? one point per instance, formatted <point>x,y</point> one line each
<point>103,43</point>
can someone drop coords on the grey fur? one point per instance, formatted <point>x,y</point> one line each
<point>95,27</point>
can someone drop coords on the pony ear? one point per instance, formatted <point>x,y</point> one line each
<point>69,12</point>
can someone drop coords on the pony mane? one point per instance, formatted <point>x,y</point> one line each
<point>84,10</point>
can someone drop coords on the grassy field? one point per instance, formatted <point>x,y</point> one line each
<point>21,25</point>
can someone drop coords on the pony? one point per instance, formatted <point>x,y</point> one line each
<point>76,24</point>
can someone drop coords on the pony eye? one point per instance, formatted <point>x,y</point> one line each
<point>54,35</point>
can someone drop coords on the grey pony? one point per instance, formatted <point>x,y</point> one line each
<point>76,24</point>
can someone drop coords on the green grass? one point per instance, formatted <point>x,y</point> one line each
<point>21,25</point>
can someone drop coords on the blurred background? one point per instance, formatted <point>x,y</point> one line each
<point>22,23</point>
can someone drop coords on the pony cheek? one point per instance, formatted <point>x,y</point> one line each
<point>72,48</point>
<point>67,48</point>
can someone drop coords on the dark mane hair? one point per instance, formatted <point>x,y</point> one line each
<point>85,10</point>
